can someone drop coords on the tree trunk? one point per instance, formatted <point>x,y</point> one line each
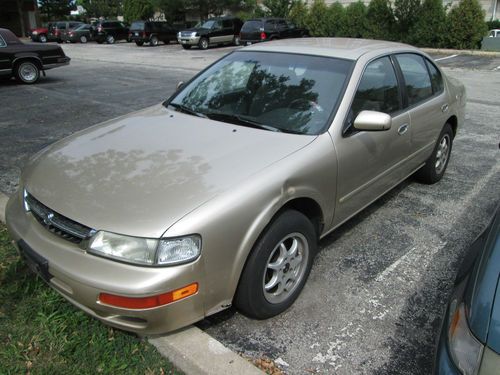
<point>21,16</point>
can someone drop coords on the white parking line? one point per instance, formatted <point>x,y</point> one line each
<point>447,57</point>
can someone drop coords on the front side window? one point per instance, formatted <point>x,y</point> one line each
<point>275,91</point>
<point>417,80</point>
<point>378,89</point>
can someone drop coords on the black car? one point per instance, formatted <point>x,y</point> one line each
<point>264,29</point>
<point>25,61</point>
<point>80,34</point>
<point>151,32</point>
<point>109,31</point>
<point>221,30</point>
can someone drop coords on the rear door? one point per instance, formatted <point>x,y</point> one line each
<point>228,30</point>
<point>217,32</point>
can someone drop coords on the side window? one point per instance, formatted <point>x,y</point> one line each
<point>417,80</point>
<point>227,24</point>
<point>217,25</point>
<point>2,42</point>
<point>436,79</point>
<point>378,89</point>
<point>282,24</point>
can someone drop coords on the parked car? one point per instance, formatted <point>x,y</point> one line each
<point>26,61</point>
<point>109,31</point>
<point>222,30</point>
<point>470,335</point>
<point>56,29</point>
<point>151,32</point>
<point>40,34</point>
<point>219,195</point>
<point>264,29</point>
<point>80,34</point>
<point>495,33</point>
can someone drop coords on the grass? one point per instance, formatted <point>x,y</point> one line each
<point>41,333</point>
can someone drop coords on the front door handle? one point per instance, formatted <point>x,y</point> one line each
<point>444,108</point>
<point>403,129</point>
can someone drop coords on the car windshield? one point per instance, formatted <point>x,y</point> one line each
<point>207,24</point>
<point>138,25</point>
<point>275,91</point>
<point>82,27</point>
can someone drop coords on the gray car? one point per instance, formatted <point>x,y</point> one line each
<point>219,195</point>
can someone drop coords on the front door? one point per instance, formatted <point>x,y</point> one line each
<point>5,58</point>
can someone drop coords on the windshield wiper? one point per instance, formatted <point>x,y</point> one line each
<point>239,120</point>
<point>184,109</point>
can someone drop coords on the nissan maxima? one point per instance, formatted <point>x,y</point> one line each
<point>218,196</point>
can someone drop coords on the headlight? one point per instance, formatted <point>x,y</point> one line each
<point>179,34</point>
<point>465,349</point>
<point>194,33</point>
<point>146,251</point>
<point>35,32</point>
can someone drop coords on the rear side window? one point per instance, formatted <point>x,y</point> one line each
<point>2,42</point>
<point>378,89</point>
<point>138,25</point>
<point>417,80</point>
<point>227,24</point>
<point>252,26</point>
<point>436,78</point>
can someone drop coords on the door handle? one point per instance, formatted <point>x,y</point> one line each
<point>444,108</point>
<point>403,129</point>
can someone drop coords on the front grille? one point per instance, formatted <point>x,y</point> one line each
<point>186,34</point>
<point>56,223</point>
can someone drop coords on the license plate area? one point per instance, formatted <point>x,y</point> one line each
<point>35,261</point>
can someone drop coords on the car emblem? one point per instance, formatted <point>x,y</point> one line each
<point>48,219</point>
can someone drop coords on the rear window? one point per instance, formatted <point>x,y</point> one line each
<point>138,25</point>
<point>252,26</point>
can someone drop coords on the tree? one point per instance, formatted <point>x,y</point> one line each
<point>207,7</point>
<point>429,29</point>
<point>380,20</point>
<point>279,8</point>
<point>138,10</point>
<point>337,18</point>
<point>173,10</point>
<point>405,12</point>
<point>318,19</point>
<point>101,8</point>
<point>298,13</point>
<point>354,24</point>
<point>465,25</point>
<point>55,8</point>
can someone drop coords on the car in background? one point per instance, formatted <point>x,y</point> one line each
<point>80,34</point>
<point>265,29</point>
<point>56,29</point>
<point>214,31</point>
<point>151,32</point>
<point>109,31</point>
<point>495,33</point>
<point>40,34</point>
<point>469,341</point>
<point>26,61</point>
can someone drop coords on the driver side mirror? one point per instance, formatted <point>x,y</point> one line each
<point>372,121</point>
<point>179,85</point>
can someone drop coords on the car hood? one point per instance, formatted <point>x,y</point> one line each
<point>139,174</point>
<point>197,29</point>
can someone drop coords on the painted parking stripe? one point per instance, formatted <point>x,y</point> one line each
<point>445,58</point>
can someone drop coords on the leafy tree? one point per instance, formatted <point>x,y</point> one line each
<point>101,8</point>
<point>138,10</point>
<point>380,20</point>
<point>318,19</point>
<point>337,18</point>
<point>55,8</point>
<point>465,25</point>
<point>354,21</point>
<point>279,8</point>
<point>405,12</point>
<point>429,29</point>
<point>173,10</point>
<point>298,13</point>
<point>206,7</point>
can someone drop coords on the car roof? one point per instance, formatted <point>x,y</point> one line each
<point>346,48</point>
<point>9,36</point>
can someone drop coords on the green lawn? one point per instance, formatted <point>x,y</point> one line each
<point>41,333</point>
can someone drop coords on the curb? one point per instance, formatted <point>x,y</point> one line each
<point>190,349</point>
<point>475,52</point>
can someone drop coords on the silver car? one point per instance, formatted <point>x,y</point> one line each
<point>219,195</point>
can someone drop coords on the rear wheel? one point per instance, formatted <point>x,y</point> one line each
<point>203,43</point>
<point>435,166</point>
<point>153,42</point>
<point>139,43</point>
<point>186,46</point>
<point>110,39</point>
<point>43,38</point>
<point>83,39</point>
<point>278,266</point>
<point>27,72</point>
<point>236,40</point>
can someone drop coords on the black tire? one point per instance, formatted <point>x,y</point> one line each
<point>236,40</point>
<point>250,296</point>
<point>42,38</point>
<point>186,46</point>
<point>83,39</point>
<point>139,43</point>
<point>432,172</point>
<point>100,41</point>
<point>59,41</point>
<point>110,39</point>
<point>203,43</point>
<point>154,41</point>
<point>27,72</point>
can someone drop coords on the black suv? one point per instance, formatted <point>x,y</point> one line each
<point>264,29</point>
<point>151,32</point>
<point>221,30</point>
<point>109,31</point>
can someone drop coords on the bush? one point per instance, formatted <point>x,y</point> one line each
<point>405,12</point>
<point>380,20</point>
<point>298,13</point>
<point>137,10</point>
<point>429,30</point>
<point>493,24</point>
<point>354,24</point>
<point>465,25</point>
<point>337,18</point>
<point>318,20</point>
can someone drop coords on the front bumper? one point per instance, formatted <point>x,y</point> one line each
<point>192,41</point>
<point>80,277</point>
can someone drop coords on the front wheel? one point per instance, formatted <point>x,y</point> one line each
<point>236,40</point>
<point>139,43</point>
<point>203,43</point>
<point>43,38</point>
<point>154,41</point>
<point>110,39</point>
<point>83,39</point>
<point>435,166</point>
<point>27,72</point>
<point>278,266</point>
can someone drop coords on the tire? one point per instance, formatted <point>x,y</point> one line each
<point>153,42</point>
<point>186,46</point>
<point>59,41</point>
<point>42,38</point>
<point>139,44</point>
<point>260,292</point>
<point>435,166</point>
<point>99,41</point>
<point>110,39</point>
<point>203,43</point>
<point>236,40</point>
<point>83,39</point>
<point>27,72</point>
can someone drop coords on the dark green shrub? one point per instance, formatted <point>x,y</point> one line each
<point>318,20</point>
<point>429,29</point>
<point>465,25</point>
<point>298,13</point>
<point>405,12</point>
<point>380,20</point>
<point>354,21</point>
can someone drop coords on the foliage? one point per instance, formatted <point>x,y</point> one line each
<point>298,13</point>
<point>354,24</point>
<point>42,333</point>
<point>380,20</point>
<point>101,8</point>
<point>318,19</point>
<point>405,12</point>
<point>429,29</point>
<point>56,9</point>
<point>493,24</point>
<point>207,7</point>
<point>465,25</point>
<point>279,8</point>
<point>138,10</point>
<point>173,10</point>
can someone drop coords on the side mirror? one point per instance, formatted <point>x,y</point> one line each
<point>179,85</point>
<point>372,121</point>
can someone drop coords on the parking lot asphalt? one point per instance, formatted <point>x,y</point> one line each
<point>375,295</point>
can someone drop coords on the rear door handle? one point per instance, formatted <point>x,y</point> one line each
<point>403,129</point>
<point>444,108</point>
